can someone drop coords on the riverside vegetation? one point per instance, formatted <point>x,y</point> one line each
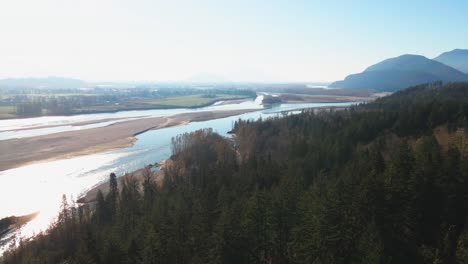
<point>384,182</point>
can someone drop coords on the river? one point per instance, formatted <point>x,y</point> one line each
<point>39,186</point>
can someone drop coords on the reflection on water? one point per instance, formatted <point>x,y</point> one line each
<point>39,187</point>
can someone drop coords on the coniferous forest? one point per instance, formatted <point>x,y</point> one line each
<point>383,182</point>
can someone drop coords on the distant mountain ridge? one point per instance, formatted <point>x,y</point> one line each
<point>457,58</point>
<point>401,72</point>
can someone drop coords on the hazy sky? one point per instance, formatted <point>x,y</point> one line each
<point>240,40</point>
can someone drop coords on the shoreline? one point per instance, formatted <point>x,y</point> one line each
<point>15,153</point>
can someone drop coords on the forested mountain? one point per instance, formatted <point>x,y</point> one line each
<point>401,72</point>
<point>457,59</point>
<point>384,182</point>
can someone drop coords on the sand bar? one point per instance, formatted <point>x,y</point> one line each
<point>82,123</point>
<point>18,152</point>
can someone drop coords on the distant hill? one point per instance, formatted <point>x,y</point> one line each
<point>457,59</point>
<point>49,82</point>
<point>401,72</point>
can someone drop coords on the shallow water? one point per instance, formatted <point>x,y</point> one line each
<point>39,187</point>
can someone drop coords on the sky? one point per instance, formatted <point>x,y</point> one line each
<point>241,40</point>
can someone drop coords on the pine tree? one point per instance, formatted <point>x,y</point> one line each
<point>112,196</point>
<point>151,252</point>
<point>101,208</point>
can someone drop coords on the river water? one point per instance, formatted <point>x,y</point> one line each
<point>39,186</point>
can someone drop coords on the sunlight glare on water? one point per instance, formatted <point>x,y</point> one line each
<point>39,187</point>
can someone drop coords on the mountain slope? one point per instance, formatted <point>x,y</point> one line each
<point>401,72</point>
<point>457,59</point>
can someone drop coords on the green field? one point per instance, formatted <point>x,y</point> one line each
<point>169,102</point>
<point>191,100</point>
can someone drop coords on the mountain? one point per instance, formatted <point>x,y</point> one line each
<point>401,72</point>
<point>457,59</point>
<point>49,82</point>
